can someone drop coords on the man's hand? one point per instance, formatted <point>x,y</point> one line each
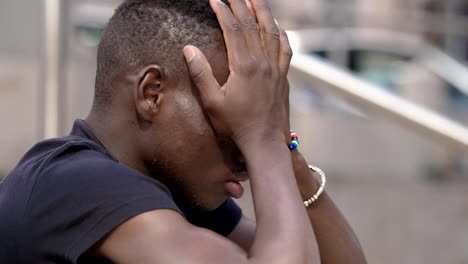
<point>250,106</point>
<point>252,109</point>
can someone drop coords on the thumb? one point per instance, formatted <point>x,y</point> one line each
<point>202,75</point>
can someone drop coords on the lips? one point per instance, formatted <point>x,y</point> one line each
<point>234,189</point>
<point>233,184</point>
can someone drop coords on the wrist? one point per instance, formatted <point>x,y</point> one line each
<point>264,160</point>
<point>306,181</point>
<point>265,151</point>
<point>254,142</point>
<point>298,161</point>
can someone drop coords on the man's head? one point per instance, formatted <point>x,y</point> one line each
<point>142,82</point>
<point>143,32</point>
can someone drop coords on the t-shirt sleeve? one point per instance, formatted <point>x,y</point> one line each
<point>75,203</point>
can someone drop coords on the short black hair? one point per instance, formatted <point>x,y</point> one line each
<point>151,31</point>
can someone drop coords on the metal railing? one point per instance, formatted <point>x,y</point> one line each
<point>413,19</point>
<point>51,69</point>
<point>372,97</point>
<point>304,66</point>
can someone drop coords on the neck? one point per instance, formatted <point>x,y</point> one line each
<point>115,132</point>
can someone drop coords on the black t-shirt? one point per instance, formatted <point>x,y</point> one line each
<point>67,193</point>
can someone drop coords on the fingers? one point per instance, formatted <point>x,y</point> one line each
<point>285,53</point>
<point>284,62</point>
<point>232,31</point>
<point>286,97</point>
<point>244,37</point>
<point>268,29</point>
<point>249,24</point>
<point>202,75</point>
<point>252,12</point>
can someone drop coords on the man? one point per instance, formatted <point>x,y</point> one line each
<point>172,131</point>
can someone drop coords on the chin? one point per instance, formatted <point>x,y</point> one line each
<point>200,203</point>
<point>209,204</point>
<point>214,205</point>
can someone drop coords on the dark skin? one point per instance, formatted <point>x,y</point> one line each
<point>335,238</point>
<point>196,167</point>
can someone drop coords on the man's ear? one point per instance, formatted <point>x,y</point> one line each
<point>149,93</point>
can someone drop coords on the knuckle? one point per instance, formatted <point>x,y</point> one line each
<point>248,66</point>
<point>287,51</point>
<point>235,27</point>
<point>285,44</point>
<point>250,23</point>
<point>266,69</point>
<point>198,73</point>
<point>271,31</point>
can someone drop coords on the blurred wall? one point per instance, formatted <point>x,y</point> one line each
<point>375,167</point>
<point>20,27</point>
<point>20,46</point>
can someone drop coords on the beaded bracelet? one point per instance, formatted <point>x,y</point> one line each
<point>294,141</point>
<point>323,181</point>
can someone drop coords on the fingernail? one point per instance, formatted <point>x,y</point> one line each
<point>225,2</point>
<point>249,5</point>
<point>190,53</point>
<point>251,9</point>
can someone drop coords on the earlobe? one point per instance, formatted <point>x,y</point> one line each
<point>148,93</point>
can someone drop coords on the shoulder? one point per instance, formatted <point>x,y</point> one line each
<point>95,175</point>
<point>83,196</point>
<point>87,163</point>
<point>58,147</point>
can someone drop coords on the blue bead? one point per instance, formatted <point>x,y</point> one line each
<point>294,144</point>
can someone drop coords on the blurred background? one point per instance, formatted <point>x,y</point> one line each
<point>403,187</point>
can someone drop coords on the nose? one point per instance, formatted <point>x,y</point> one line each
<point>241,158</point>
<point>239,163</point>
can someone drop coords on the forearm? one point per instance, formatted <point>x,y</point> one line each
<point>278,235</point>
<point>336,240</point>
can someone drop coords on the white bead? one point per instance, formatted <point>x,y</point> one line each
<point>322,185</point>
